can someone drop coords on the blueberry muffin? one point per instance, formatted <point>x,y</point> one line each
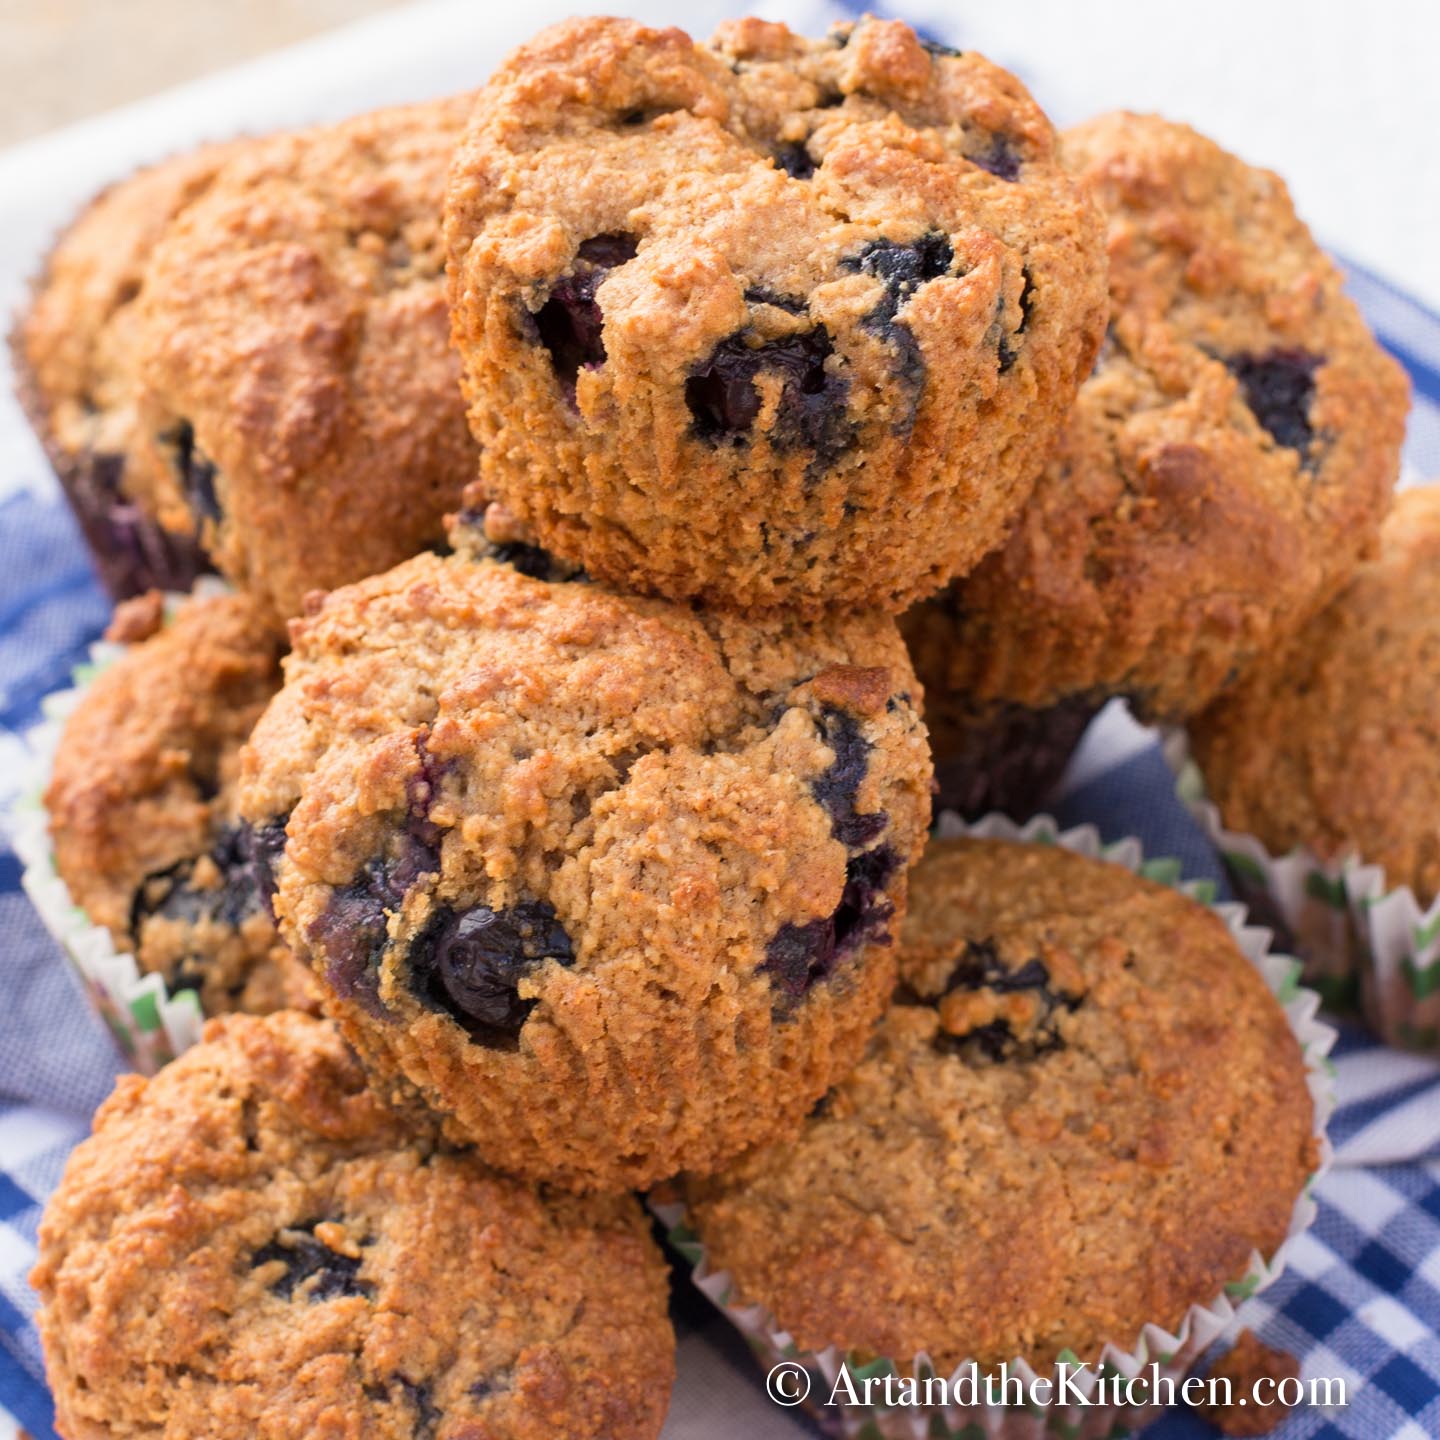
<point>1224,470</point>
<point>1057,1136</point>
<point>142,805</point>
<point>298,400</point>
<point>608,881</point>
<point>1330,742</point>
<point>251,1243</point>
<point>74,357</point>
<point>769,322</point>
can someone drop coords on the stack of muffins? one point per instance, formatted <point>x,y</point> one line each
<point>540,813</point>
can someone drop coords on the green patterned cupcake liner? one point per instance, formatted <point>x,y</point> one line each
<point>151,1026</point>
<point>1172,1353</point>
<point>1362,941</point>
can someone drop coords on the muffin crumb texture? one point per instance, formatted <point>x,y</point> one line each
<point>142,804</point>
<point>1329,742</point>
<point>769,322</point>
<point>610,881</point>
<point>1058,1134</point>
<point>1223,471</point>
<point>251,1243</point>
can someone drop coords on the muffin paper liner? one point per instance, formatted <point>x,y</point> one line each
<point>149,1025</point>
<point>1173,1353</point>
<point>1361,940</point>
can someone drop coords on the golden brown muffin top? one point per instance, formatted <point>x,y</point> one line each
<point>75,345</point>
<point>146,770</point>
<point>1083,1113</point>
<point>142,803</point>
<point>1224,470</point>
<point>608,878</point>
<point>252,1243</point>
<point>774,322</point>
<point>298,392</point>
<point>1331,741</point>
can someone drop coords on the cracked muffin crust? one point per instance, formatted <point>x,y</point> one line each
<point>1081,1115</point>
<point>142,805</point>
<point>1224,470</point>
<point>299,401</point>
<point>1330,740</point>
<point>768,322</point>
<point>74,355</point>
<point>608,880</point>
<point>251,1243</point>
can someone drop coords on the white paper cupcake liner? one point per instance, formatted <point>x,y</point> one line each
<point>150,1026</point>
<point>1173,1353</point>
<point>1360,939</point>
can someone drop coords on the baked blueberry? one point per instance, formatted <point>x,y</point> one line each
<point>570,323</point>
<point>313,1271</point>
<point>471,962</point>
<point>801,955</point>
<point>1000,158</point>
<point>1010,1036</point>
<point>1279,386</point>
<point>194,473</point>
<point>725,400</point>
<point>836,789</point>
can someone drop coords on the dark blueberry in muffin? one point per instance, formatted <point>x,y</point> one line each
<point>132,551</point>
<point>725,400</point>
<point>570,323</point>
<point>529,560</point>
<point>263,846</point>
<point>470,963</point>
<point>838,786</point>
<point>939,51</point>
<point>176,894</point>
<point>981,968</point>
<point>353,930</point>
<point>311,1267</point>
<point>999,158</point>
<point>791,304</point>
<point>902,269</point>
<point>795,160</point>
<point>195,473</point>
<point>1010,344</point>
<point>427,1413</point>
<point>801,955</point>
<point>1278,387</point>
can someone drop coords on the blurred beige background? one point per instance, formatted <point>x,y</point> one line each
<point>61,60</point>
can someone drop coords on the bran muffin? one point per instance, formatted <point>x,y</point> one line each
<point>142,805</point>
<point>251,1243</point>
<point>1224,470</point>
<point>608,880</point>
<point>299,400</point>
<point>1056,1137</point>
<point>769,322</point>
<point>1329,742</point>
<point>74,356</point>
